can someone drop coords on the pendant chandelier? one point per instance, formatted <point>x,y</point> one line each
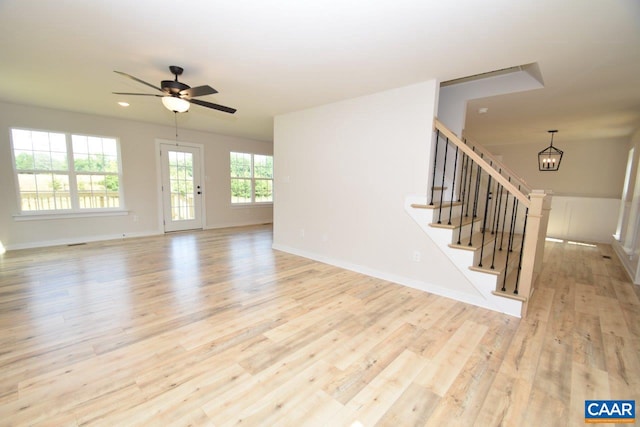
<point>549,158</point>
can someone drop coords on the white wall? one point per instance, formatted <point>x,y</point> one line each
<point>586,189</point>
<point>589,168</point>
<point>453,98</point>
<point>584,219</point>
<point>342,173</point>
<point>137,143</point>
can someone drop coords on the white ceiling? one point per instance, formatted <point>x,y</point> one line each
<point>267,57</point>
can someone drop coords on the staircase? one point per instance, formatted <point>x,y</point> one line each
<point>485,219</point>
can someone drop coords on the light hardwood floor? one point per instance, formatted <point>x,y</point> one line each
<point>216,328</point>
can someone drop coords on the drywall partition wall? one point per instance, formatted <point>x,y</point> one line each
<point>453,98</point>
<point>342,172</point>
<point>137,145</point>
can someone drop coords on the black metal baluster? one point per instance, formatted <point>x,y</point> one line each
<point>484,221</point>
<point>469,189</point>
<point>435,162</point>
<point>453,184</point>
<point>497,227</point>
<point>464,193</point>
<point>475,199</point>
<point>504,218</point>
<point>524,232</point>
<point>495,209</point>
<point>514,218</point>
<point>510,242</point>
<point>444,171</point>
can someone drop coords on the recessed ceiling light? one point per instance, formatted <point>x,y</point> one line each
<point>483,110</point>
<point>123,104</point>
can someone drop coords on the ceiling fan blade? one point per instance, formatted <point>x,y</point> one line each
<point>198,91</point>
<point>138,94</point>
<point>214,106</point>
<point>138,80</point>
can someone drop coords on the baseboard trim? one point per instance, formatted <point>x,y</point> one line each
<point>83,239</point>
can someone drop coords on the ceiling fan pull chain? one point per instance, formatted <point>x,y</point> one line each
<point>175,113</point>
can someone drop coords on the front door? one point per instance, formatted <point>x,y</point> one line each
<point>181,187</point>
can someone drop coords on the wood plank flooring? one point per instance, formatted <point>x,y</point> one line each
<point>216,328</point>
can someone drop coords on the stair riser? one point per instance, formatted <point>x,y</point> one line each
<point>444,217</point>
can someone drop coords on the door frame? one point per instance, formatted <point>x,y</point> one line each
<point>159,195</point>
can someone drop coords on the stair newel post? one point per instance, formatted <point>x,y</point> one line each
<point>444,172</point>
<point>487,202</point>
<point>533,239</point>
<point>453,185</point>
<point>435,163</point>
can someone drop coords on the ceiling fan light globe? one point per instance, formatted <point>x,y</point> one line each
<point>175,104</point>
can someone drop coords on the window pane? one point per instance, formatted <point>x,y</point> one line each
<point>21,139</point>
<point>62,196</point>
<point>40,141</point>
<point>240,191</point>
<point>58,142</point>
<point>263,166</point>
<point>79,144</point>
<point>98,191</point>
<point>240,165</point>
<point>59,161</point>
<point>24,160</point>
<point>42,160</point>
<point>111,164</point>
<point>28,191</point>
<point>264,190</point>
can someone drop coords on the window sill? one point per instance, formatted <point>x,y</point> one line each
<point>67,215</point>
<point>251,205</point>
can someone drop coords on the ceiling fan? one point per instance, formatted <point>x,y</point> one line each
<point>177,96</point>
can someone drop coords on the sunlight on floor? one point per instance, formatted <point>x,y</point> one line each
<point>590,245</point>
<point>570,242</point>
<point>552,239</point>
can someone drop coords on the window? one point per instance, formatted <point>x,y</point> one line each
<point>63,172</point>
<point>251,178</point>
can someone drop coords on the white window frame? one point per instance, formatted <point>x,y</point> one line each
<point>252,179</point>
<point>75,210</point>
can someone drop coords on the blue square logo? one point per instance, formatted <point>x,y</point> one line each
<point>609,411</point>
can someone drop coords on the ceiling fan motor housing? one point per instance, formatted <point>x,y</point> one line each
<point>173,87</point>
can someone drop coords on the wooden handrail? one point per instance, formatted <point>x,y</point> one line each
<point>511,188</point>
<point>505,169</point>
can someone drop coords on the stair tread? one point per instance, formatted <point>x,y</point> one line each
<point>436,205</point>
<point>498,262</point>
<point>476,241</point>
<point>510,286</point>
<point>455,223</point>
